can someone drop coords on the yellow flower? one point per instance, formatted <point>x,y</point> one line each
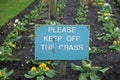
<point>43,65</point>
<point>118,41</point>
<point>0,73</point>
<point>114,42</point>
<point>100,3</point>
<point>12,45</point>
<point>105,14</point>
<point>46,68</point>
<point>33,68</point>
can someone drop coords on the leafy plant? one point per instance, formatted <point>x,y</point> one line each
<point>49,63</point>
<point>105,13</point>
<point>39,10</point>
<point>117,2</point>
<point>42,10</point>
<point>92,49</point>
<point>88,71</point>
<point>111,34</point>
<point>9,43</point>
<point>4,75</point>
<point>60,6</point>
<point>115,45</point>
<point>105,16</point>
<point>99,2</point>
<point>40,72</point>
<point>81,12</point>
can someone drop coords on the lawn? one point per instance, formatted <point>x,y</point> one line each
<point>10,8</point>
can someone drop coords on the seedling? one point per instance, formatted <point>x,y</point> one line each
<point>87,71</point>
<point>115,45</point>
<point>40,72</point>
<point>81,12</point>
<point>4,75</point>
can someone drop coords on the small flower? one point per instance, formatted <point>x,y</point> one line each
<point>89,48</point>
<point>0,73</point>
<point>46,68</point>
<point>12,45</point>
<point>106,4</point>
<point>106,18</point>
<point>49,62</point>
<point>117,29</point>
<point>15,25</point>
<point>16,21</point>
<point>114,42</point>
<point>0,52</point>
<point>43,65</point>
<point>99,12</point>
<point>33,68</point>
<point>118,41</point>
<point>58,9</point>
<point>105,14</point>
<point>100,3</point>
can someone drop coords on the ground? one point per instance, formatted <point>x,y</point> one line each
<point>25,52</point>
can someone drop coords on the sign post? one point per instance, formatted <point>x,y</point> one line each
<point>53,9</point>
<point>62,69</point>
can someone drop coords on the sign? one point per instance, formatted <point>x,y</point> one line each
<point>62,42</point>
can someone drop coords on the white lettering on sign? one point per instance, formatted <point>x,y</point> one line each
<point>52,38</point>
<point>71,47</point>
<point>47,47</point>
<point>62,29</point>
<point>58,38</point>
<point>72,38</point>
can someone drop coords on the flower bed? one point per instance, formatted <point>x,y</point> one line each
<point>102,58</point>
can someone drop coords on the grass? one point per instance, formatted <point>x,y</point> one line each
<point>10,8</point>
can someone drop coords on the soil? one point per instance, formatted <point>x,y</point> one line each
<point>25,46</point>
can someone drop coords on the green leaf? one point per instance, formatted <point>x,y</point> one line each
<point>93,76</point>
<point>83,76</point>
<point>118,49</point>
<point>95,69</point>
<point>84,63</point>
<point>111,47</point>
<point>28,76</point>
<point>50,73</point>
<point>41,78</point>
<point>32,73</point>
<point>93,50</point>
<point>9,73</point>
<point>76,67</point>
<point>104,70</point>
